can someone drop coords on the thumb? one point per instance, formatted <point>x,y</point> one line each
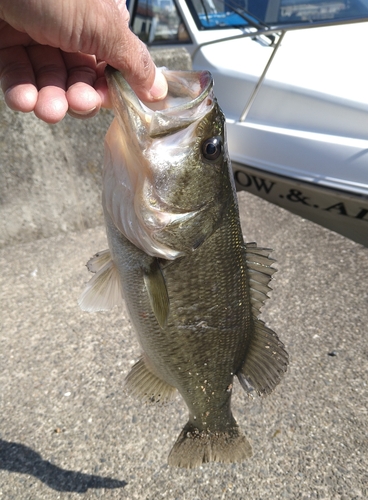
<point>134,61</point>
<point>123,50</point>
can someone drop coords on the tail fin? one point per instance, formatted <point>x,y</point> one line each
<point>194,447</point>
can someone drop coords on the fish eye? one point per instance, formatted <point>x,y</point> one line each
<point>212,148</point>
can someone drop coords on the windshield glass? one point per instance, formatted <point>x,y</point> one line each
<point>211,14</point>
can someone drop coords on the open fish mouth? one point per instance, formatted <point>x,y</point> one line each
<point>189,98</point>
<point>152,162</point>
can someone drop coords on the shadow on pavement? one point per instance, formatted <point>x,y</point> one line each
<point>16,457</point>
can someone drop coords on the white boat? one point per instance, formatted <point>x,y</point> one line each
<point>292,79</point>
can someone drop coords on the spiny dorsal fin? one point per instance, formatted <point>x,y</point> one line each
<point>157,292</point>
<point>103,291</point>
<point>259,273</point>
<point>266,359</point>
<point>142,382</point>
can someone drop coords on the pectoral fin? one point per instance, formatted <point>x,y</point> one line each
<point>103,291</point>
<point>98,261</point>
<point>157,292</point>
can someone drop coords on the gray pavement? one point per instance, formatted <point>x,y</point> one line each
<point>67,430</point>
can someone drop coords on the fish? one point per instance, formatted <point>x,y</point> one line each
<point>176,254</point>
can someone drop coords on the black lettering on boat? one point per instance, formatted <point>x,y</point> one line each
<point>242,178</point>
<point>297,196</point>
<point>339,207</point>
<point>246,181</point>
<point>262,184</point>
<point>361,215</point>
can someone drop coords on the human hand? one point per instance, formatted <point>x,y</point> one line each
<point>53,54</point>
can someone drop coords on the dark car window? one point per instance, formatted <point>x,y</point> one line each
<point>158,21</point>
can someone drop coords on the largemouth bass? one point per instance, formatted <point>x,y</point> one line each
<point>192,287</point>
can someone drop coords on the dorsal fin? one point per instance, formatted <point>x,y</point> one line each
<point>259,272</point>
<point>265,363</point>
<point>266,359</point>
<point>103,291</point>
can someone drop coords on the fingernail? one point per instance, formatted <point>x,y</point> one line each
<point>158,90</point>
<point>83,114</point>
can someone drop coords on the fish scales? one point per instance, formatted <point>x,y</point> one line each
<point>192,287</point>
<point>206,343</point>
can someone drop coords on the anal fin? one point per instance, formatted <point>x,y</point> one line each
<point>142,382</point>
<point>103,291</point>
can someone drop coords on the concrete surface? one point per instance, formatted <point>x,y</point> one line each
<point>51,174</point>
<point>68,431</point>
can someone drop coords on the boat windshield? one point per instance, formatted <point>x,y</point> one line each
<point>210,14</point>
